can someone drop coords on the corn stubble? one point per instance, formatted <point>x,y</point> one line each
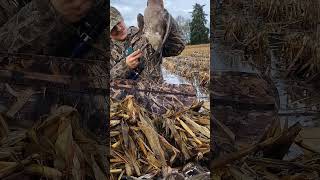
<point>147,144</point>
<point>195,58</point>
<point>295,24</point>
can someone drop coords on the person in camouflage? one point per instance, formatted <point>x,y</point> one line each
<point>145,63</point>
<point>50,27</point>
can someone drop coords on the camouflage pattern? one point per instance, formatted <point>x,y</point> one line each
<point>156,97</point>
<point>115,17</point>
<point>34,27</point>
<point>150,63</point>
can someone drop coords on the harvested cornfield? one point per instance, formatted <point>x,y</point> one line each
<point>288,26</point>
<point>201,50</point>
<point>304,14</point>
<point>302,51</point>
<point>56,148</point>
<point>195,58</point>
<point>147,145</point>
<point>245,35</point>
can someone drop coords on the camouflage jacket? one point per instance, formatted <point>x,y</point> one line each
<point>35,27</point>
<point>150,66</point>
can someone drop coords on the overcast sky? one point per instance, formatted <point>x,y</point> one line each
<point>130,8</point>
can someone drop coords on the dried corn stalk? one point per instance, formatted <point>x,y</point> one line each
<point>143,143</point>
<point>57,148</point>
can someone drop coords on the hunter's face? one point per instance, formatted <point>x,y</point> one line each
<point>119,32</point>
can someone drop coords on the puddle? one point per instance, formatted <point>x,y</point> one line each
<point>172,78</point>
<point>297,100</point>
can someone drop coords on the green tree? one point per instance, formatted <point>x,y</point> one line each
<point>199,32</point>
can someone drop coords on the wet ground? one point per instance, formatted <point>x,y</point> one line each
<point>197,170</point>
<point>299,102</point>
<point>172,78</point>
<point>295,101</point>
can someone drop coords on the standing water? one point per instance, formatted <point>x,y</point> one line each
<point>298,100</point>
<point>172,78</point>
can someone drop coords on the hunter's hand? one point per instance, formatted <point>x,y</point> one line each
<point>72,10</point>
<point>133,59</point>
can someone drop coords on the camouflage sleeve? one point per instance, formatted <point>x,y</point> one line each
<point>175,42</point>
<point>29,28</point>
<point>119,68</point>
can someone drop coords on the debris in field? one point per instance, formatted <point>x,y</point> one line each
<point>54,148</point>
<point>257,33</point>
<point>302,49</point>
<point>148,144</point>
<point>157,98</point>
<point>264,160</point>
<point>289,28</point>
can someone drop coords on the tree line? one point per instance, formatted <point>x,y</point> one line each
<point>195,30</point>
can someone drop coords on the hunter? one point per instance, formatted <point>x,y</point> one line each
<point>52,28</point>
<point>128,61</point>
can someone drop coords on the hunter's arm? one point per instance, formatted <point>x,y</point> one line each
<point>175,42</point>
<point>32,28</point>
<point>119,68</point>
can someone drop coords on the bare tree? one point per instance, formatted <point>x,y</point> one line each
<point>184,25</point>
